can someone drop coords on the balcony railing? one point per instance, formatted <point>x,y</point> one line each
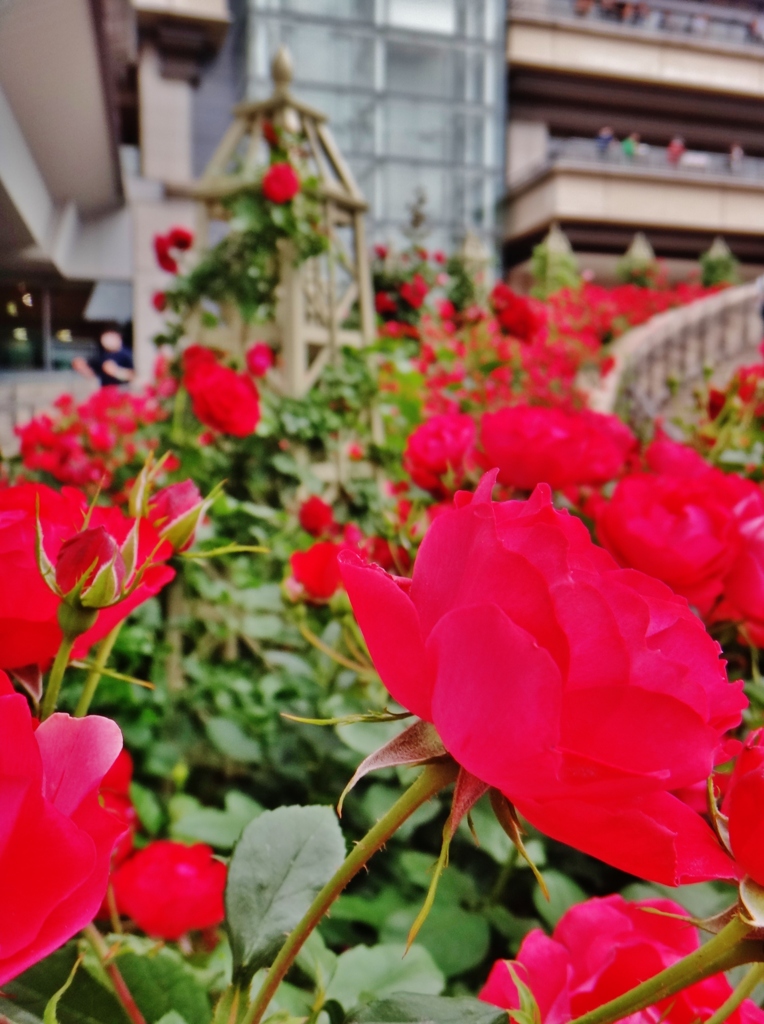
<point>699,21</point>
<point>649,159</point>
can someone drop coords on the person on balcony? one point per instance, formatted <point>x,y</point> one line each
<point>605,139</point>
<point>736,157</point>
<point>630,145</point>
<point>675,150</point>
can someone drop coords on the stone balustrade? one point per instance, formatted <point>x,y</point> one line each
<point>659,364</point>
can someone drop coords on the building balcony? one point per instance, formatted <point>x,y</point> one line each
<point>674,43</point>
<point>601,198</point>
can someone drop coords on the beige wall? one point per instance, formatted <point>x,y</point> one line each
<point>592,49</point>
<point>624,197</point>
<point>527,143</point>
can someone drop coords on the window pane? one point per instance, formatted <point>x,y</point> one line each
<point>422,70</point>
<point>422,130</point>
<point>351,118</point>
<point>423,15</point>
<point>324,54</point>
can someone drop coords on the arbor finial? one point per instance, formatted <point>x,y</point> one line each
<point>281,69</point>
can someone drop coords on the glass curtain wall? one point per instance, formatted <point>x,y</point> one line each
<point>413,90</point>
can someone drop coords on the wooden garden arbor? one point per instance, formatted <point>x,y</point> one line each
<point>318,300</point>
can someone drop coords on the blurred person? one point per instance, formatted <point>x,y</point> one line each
<point>675,150</point>
<point>630,145</point>
<point>112,364</point>
<point>736,156</point>
<point>605,138</point>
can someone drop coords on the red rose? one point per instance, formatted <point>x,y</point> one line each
<point>440,448</point>
<point>115,797</point>
<point>599,950</point>
<point>316,517</point>
<point>260,359</point>
<point>383,303</point>
<point>516,315</point>
<point>159,301</point>
<point>317,569</point>
<point>57,839</point>
<point>280,183</point>
<point>716,401</point>
<point>92,561</point>
<point>682,530</point>
<point>540,444</point>
<point>162,253</point>
<point>414,291</point>
<point>29,629</point>
<point>585,693</point>
<point>743,804</point>
<point>169,889</point>
<point>180,238</point>
<point>743,599</point>
<point>220,398</point>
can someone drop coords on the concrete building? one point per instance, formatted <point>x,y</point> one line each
<point>662,69</point>
<point>96,124</point>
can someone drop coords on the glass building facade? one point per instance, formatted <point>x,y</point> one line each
<point>414,93</point>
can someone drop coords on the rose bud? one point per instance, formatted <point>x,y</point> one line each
<point>281,183</point>
<point>175,513</point>
<point>259,359</point>
<point>90,568</point>
<point>180,238</point>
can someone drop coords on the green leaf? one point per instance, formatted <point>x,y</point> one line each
<point>284,857</point>
<point>86,1001</point>
<point>148,808</point>
<point>457,939</point>
<point>563,894</point>
<point>219,828</point>
<point>13,1015</point>
<point>413,1009</point>
<point>230,739</point>
<point>372,972</point>
<point>160,981</point>
<point>50,1016</point>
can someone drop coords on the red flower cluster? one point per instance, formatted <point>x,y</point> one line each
<point>601,949</point>
<point>537,444</point>
<point>177,238</point>
<point>57,838</point>
<point>221,399</point>
<point>281,183</point>
<point>88,445</point>
<point>522,318</point>
<point>414,292</point>
<point>616,697</point>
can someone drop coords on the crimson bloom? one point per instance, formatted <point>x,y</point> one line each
<point>162,252</point>
<point>516,315</point>
<point>180,238</point>
<point>281,183</point>
<point>599,950</point>
<point>585,693</point>
<point>57,839</point>
<point>439,448</point>
<point>541,444</point>
<point>29,630</point>
<point>414,292</point>
<point>169,888</point>
<point>316,517</point>
<point>220,398</point>
<point>317,569</point>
